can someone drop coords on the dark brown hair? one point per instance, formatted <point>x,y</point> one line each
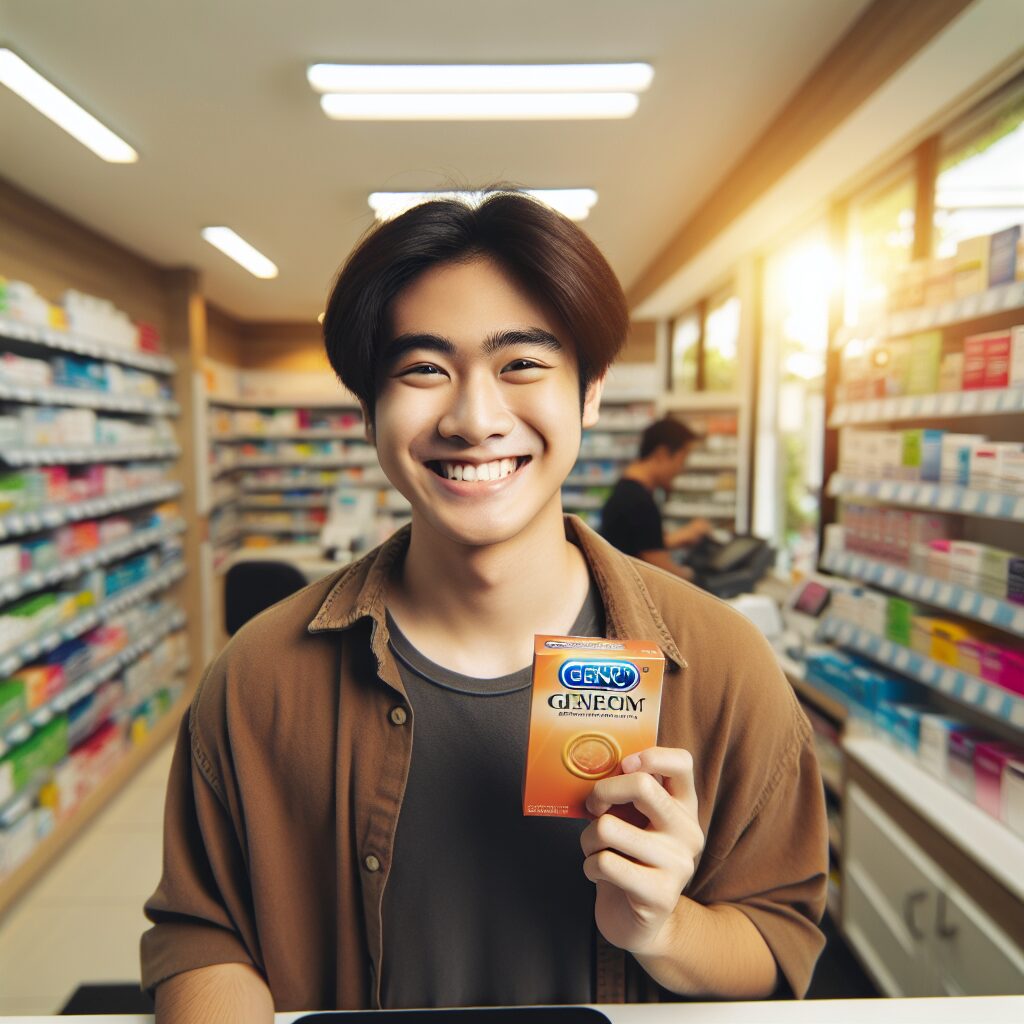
<point>543,251</point>
<point>667,433</point>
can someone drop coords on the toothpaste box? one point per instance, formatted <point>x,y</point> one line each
<point>594,702</point>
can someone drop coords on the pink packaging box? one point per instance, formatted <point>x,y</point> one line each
<point>974,362</point>
<point>1003,666</point>
<point>989,761</point>
<point>960,759</point>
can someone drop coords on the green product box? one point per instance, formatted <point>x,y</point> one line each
<point>912,446</point>
<point>925,359</point>
<point>12,702</point>
<point>40,751</point>
<point>899,614</point>
<point>32,606</point>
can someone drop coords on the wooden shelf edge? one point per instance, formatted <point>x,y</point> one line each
<point>18,882</point>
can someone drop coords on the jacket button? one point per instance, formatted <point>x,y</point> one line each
<point>398,716</point>
<point>372,863</point>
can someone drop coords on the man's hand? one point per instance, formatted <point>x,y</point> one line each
<point>688,534</point>
<point>641,871</point>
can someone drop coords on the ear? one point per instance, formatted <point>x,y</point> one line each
<point>592,401</point>
<point>367,423</point>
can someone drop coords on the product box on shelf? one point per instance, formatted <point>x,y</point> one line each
<point>1002,256</point>
<point>939,284</point>
<point>960,759</point>
<point>990,761</point>
<point>898,619</point>
<point>13,705</point>
<point>970,269</point>
<point>956,457</point>
<point>925,358</point>
<point>974,362</point>
<point>933,750</point>
<point>1003,666</point>
<point>951,372</point>
<point>900,724</point>
<point>987,360</point>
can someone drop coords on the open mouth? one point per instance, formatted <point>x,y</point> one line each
<point>498,469</point>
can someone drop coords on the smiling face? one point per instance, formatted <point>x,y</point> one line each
<point>477,420</point>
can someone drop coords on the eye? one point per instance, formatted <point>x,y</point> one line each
<point>522,364</point>
<point>420,370</point>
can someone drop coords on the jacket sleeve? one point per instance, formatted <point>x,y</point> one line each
<point>775,871</point>
<point>202,908</point>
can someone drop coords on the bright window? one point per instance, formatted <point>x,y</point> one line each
<point>685,353</point>
<point>980,186</point>
<point>721,343</point>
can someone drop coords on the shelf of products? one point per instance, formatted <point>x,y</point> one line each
<point>966,825</point>
<point>93,649</point>
<point>942,497</point>
<point>928,669</point>
<point>981,694</point>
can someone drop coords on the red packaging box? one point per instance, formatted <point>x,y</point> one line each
<point>974,362</point>
<point>997,359</point>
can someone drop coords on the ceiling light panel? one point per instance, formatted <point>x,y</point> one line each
<point>479,78</point>
<point>24,80</point>
<point>574,203</point>
<point>478,106</point>
<point>238,249</point>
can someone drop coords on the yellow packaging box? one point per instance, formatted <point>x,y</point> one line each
<point>594,702</point>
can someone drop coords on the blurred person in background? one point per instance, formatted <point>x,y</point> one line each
<point>631,519</point>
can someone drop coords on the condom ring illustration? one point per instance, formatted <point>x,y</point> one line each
<point>591,755</point>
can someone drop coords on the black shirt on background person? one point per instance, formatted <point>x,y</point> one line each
<point>631,519</point>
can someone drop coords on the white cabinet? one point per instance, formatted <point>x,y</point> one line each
<point>917,932</point>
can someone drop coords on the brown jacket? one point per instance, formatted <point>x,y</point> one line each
<point>288,777</point>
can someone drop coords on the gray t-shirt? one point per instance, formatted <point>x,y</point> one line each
<point>483,906</point>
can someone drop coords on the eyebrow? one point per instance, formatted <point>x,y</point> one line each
<point>511,338</point>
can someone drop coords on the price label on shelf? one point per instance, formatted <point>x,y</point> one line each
<point>973,691</point>
<point>990,401</point>
<point>889,575</point>
<point>902,659</point>
<point>994,701</point>
<point>948,681</point>
<point>930,405</point>
<point>965,602</point>
<point>988,609</point>
<point>972,501</point>
<point>945,594</point>
<point>949,403</point>
<point>971,401</point>
<point>930,672</point>
<point>928,588</point>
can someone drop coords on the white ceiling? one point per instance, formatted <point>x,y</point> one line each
<point>213,96</point>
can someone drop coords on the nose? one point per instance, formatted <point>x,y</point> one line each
<point>476,411</point>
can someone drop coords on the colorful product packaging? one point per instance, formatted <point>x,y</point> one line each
<point>594,702</point>
<point>989,763</point>
<point>1002,256</point>
<point>970,269</point>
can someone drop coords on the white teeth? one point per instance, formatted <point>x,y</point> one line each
<point>496,470</point>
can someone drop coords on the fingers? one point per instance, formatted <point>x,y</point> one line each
<point>671,766</point>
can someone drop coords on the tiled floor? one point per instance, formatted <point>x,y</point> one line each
<point>82,921</point>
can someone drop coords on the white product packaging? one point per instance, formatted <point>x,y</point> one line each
<point>1017,356</point>
<point>934,743</point>
<point>956,457</point>
<point>1012,796</point>
<point>890,445</point>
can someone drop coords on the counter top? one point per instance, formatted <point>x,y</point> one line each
<point>991,1009</point>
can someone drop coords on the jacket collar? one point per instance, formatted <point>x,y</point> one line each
<point>630,611</point>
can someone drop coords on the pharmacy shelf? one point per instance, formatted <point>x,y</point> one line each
<point>14,884</point>
<point>308,462</point>
<point>709,460</point>
<point>932,496</point>
<point>700,483</point>
<point>60,455</point>
<point>15,524</point>
<point>693,509</point>
<point>987,842</point>
<point>983,402</point>
<point>64,341</point>
<point>353,434</point>
<point>303,526</point>
<point>822,696</point>
<point>288,503</point>
<point>978,694</point>
<point>968,604</point>
<point>37,579</point>
<point>319,402</point>
<point>1004,298</point>
<point>592,480</point>
<point>621,426</point>
<point>227,537</point>
<point>297,484</point>
<point>76,689</point>
<point>84,398</point>
<point>28,650</point>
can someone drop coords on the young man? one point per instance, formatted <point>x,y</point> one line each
<point>631,519</point>
<point>344,821</point>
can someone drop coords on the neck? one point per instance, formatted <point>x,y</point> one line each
<point>643,473</point>
<point>476,609</point>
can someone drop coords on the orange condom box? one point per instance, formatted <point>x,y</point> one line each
<point>594,701</point>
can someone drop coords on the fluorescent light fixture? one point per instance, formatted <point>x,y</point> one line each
<point>574,203</point>
<point>19,77</point>
<point>478,106</point>
<point>238,249</point>
<point>479,78</point>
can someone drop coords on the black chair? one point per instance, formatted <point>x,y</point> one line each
<point>251,586</point>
